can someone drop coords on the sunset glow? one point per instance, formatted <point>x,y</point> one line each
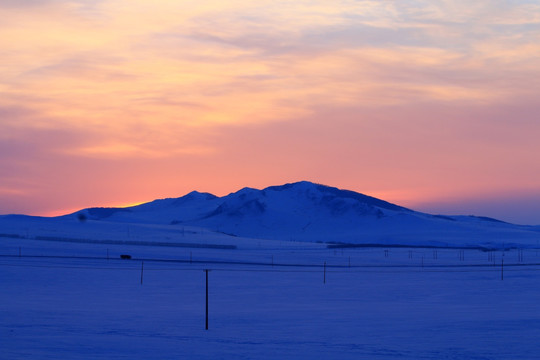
<point>433,105</point>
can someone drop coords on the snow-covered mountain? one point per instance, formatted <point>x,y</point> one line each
<point>305,211</point>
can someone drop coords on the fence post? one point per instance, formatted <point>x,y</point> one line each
<point>142,269</point>
<point>502,267</point>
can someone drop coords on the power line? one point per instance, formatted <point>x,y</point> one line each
<point>290,268</point>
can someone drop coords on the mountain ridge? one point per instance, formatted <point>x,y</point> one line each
<point>332,197</point>
<point>299,212</point>
<point>306,211</point>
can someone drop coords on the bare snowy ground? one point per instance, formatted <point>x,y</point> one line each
<point>67,300</point>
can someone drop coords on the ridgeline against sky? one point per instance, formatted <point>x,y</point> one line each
<point>429,104</point>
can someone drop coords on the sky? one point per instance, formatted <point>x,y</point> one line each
<point>432,104</point>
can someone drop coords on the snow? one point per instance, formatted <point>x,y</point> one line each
<point>406,303</point>
<point>313,213</point>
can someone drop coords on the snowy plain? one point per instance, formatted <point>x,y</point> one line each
<point>81,301</point>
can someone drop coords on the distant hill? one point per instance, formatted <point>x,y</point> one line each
<point>305,211</point>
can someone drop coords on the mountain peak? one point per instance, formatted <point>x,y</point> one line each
<point>325,190</point>
<point>299,185</point>
<point>199,195</point>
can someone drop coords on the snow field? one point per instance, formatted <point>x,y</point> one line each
<point>94,308</point>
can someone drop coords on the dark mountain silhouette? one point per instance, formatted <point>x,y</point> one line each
<point>305,211</point>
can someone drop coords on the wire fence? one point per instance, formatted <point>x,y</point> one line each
<point>157,264</point>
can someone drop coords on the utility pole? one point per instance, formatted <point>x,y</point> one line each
<point>206,271</point>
